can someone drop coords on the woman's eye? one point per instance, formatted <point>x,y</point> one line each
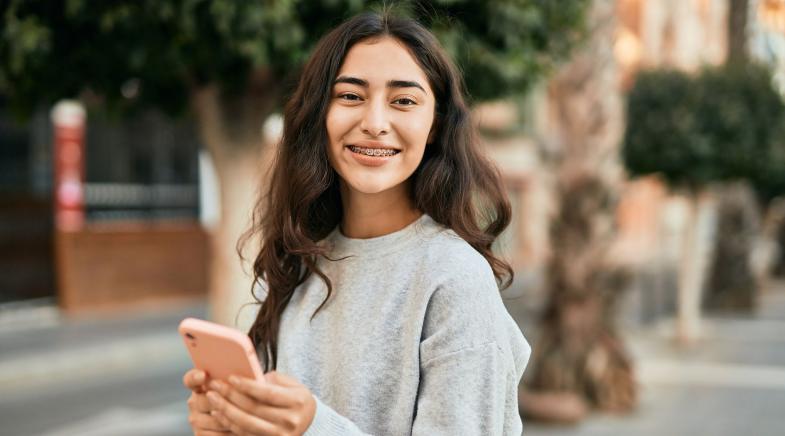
<point>349,97</point>
<point>405,101</point>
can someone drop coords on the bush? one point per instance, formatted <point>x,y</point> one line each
<point>724,124</point>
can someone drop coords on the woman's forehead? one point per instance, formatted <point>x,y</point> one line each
<point>379,61</point>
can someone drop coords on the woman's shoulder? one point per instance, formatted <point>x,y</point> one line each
<point>465,308</point>
<point>445,251</point>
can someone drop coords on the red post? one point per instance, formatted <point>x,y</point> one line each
<point>68,119</point>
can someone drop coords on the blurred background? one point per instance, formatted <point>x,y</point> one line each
<point>642,143</point>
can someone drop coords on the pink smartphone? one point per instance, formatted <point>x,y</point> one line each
<point>220,351</point>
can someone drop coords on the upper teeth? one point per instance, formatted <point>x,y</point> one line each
<point>373,151</point>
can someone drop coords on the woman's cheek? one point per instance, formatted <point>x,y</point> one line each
<point>419,127</point>
<point>337,119</point>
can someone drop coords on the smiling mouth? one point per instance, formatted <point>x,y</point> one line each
<point>381,152</point>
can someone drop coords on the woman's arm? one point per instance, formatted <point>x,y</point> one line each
<point>328,422</point>
<point>472,357</point>
<point>472,391</point>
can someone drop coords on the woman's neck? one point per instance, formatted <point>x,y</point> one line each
<point>371,215</point>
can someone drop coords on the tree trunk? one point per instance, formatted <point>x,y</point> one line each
<point>732,283</point>
<point>578,354</point>
<point>696,249</point>
<point>231,129</point>
<point>738,14</point>
<point>775,230</point>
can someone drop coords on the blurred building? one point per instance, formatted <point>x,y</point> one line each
<point>680,34</point>
<point>767,37</point>
<point>689,34</point>
<point>136,237</point>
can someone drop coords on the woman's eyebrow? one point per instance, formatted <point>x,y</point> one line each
<point>404,84</point>
<point>390,83</point>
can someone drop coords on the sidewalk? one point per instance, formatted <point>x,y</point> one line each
<point>731,383</point>
<point>122,375</point>
<point>40,346</point>
<point>117,374</point>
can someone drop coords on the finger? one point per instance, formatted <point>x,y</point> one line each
<point>199,403</point>
<point>265,393</point>
<point>194,379</point>
<point>225,423</point>
<point>279,416</point>
<point>234,396</point>
<point>211,433</point>
<point>249,404</point>
<point>236,429</point>
<point>238,420</point>
<point>206,422</point>
<point>281,379</point>
<point>233,428</point>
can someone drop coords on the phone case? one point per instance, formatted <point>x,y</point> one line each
<point>220,351</point>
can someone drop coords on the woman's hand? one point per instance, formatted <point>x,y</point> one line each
<point>279,405</point>
<point>202,423</point>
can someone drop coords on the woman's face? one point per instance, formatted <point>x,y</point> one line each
<point>380,116</point>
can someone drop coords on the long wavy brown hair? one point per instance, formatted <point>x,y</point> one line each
<point>454,184</point>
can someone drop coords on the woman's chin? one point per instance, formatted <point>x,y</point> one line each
<point>370,188</point>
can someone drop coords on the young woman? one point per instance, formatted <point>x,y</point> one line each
<point>380,307</point>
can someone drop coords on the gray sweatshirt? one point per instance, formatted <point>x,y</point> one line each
<point>415,339</point>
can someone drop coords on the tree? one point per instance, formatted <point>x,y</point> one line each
<point>579,360</point>
<point>726,124</point>
<point>713,129</point>
<point>230,64</point>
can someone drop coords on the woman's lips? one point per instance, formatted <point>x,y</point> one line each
<point>370,161</point>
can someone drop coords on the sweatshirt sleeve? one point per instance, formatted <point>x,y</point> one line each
<point>328,422</point>
<point>470,391</point>
<point>472,357</point>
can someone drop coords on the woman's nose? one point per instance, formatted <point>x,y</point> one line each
<point>375,120</point>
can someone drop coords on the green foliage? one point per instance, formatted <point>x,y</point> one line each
<point>52,49</point>
<point>725,123</point>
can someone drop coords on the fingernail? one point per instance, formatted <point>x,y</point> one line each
<point>233,380</point>
<point>216,386</point>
